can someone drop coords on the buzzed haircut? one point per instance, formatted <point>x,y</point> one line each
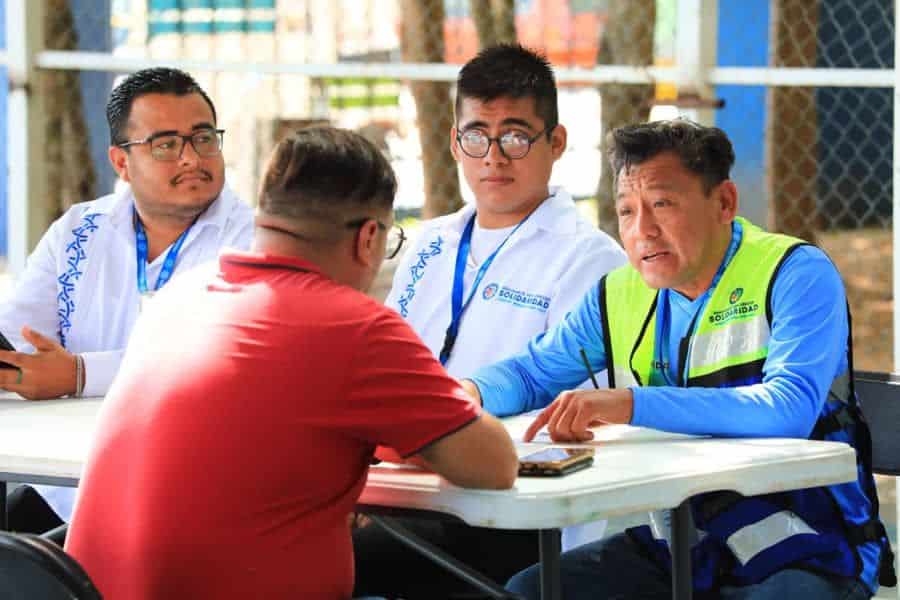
<point>324,173</point>
<point>510,71</point>
<point>705,151</point>
<point>157,80</point>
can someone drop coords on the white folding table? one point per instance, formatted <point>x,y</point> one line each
<point>634,470</point>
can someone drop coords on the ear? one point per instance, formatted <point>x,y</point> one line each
<point>728,201</point>
<point>366,247</point>
<point>453,148</point>
<point>558,141</point>
<point>119,159</point>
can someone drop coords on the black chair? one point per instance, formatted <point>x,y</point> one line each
<point>34,567</point>
<point>879,395</point>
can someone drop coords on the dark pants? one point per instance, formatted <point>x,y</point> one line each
<point>616,569</point>
<point>29,513</point>
<point>386,567</point>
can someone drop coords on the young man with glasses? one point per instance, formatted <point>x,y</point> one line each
<point>275,376</point>
<point>480,283</point>
<point>73,308</point>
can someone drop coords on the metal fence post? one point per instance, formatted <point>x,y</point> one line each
<point>28,214</point>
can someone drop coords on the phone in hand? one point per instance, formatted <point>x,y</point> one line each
<point>555,462</point>
<point>5,345</point>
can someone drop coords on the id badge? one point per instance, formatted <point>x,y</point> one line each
<point>146,298</point>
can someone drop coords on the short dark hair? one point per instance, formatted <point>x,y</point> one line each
<point>325,173</point>
<point>510,71</point>
<point>705,151</point>
<point>158,80</point>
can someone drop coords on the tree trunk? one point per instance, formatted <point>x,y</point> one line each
<point>628,40</point>
<point>70,169</point>
<point>495,21</point>
<point>423,41</point>
<point>483,14</point>
<point>504,20</point>
<point>793,131</point>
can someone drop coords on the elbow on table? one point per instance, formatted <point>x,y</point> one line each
<point>506,476</point>
<point>498,476</point>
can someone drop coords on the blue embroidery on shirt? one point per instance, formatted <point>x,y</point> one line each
<point>74,255</point>
<point>417,271</point>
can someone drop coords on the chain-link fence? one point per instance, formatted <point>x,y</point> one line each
<point>813,161</point>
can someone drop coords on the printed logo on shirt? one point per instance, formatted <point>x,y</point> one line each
<point>416,272</point>
<point>516,297</point>
<point>737,311</point>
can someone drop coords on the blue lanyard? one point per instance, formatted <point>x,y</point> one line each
<point>458,307</point>
<point>663,309</point>
<point>168,267</point>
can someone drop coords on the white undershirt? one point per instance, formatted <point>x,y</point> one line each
<point>484,242</point>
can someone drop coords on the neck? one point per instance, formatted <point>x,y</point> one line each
<point>694,289</point>
<point>489,219</point>
<point>162,233</point>
<point>282,242</point>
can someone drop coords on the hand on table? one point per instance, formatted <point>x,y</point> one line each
<point>570,416</point>
<point>48,373</point>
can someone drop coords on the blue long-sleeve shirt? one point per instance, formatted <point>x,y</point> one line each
<point>807,350</point>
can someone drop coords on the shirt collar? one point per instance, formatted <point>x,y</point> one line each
<point>237,262</point>
<point>556,214</point>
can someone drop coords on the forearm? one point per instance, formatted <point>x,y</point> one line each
<point>775,409</point>
<point>551,363</point>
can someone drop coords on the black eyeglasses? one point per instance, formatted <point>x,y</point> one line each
<point>395,235</point>
<point>169,146</point>
<point>513,144</point>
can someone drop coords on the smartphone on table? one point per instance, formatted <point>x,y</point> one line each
<point>554,462</point>
<point>5,345</point>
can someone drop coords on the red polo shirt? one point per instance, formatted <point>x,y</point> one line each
<point>238,433</point>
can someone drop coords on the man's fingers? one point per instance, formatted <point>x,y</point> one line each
<point>9,380</point>
<point>536,425</point>
<point>39,341</point>
<point>582,422</point>
<point>17,359</point>
<point>562,429</point>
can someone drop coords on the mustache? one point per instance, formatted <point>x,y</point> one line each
<point>207,176</point>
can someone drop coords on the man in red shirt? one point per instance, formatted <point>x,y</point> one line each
<point>236,439</point>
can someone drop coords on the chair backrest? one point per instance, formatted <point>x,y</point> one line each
<point>32,567</point>
<point>879,396</point>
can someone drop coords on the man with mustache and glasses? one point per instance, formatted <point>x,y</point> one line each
<point>73,308</point>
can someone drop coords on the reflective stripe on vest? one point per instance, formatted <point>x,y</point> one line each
<point>749,541</point>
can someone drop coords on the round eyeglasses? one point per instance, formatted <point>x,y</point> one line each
<point>395,235</point>
<point>513,144</point>
<point>169,146</point>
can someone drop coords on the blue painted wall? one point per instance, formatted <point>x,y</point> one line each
<point>855,124</point>
<point>743,41</point>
